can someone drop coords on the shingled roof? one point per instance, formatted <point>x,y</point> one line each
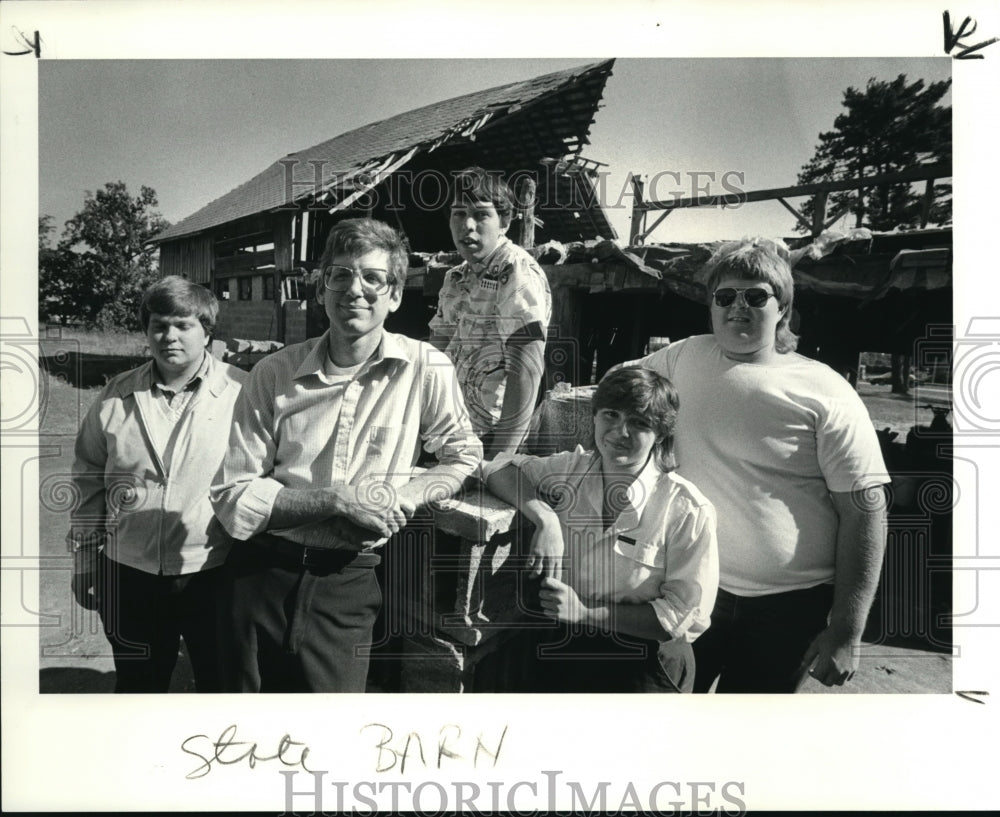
<point>379,144</point>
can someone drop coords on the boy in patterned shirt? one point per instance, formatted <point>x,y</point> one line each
<point>493,313</point>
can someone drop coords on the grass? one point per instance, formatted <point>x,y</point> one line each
<point>62,406</point>
<point>95,342</point>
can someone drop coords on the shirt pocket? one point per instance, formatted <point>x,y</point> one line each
<point>375,442</point>
<point>642,554</point>
<point>638,569</point>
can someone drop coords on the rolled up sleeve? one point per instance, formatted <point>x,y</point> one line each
<point>244,491</point>
<point>446,430</point>
<point>687,595</point>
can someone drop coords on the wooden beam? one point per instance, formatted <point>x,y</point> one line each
<point>645,233</point>
<point>527,194</point>
<point>925,211</point>
<point>798,216</point>
<point>638,209</point>
<point>915,174</point>
<point>819,212</point>
<point>837,215</point>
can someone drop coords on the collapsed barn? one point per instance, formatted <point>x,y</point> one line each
<point>257,245</point>
<point>252,245</point>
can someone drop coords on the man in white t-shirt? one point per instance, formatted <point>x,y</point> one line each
<point>785,450</point>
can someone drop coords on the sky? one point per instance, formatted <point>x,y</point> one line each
<point>194,129</point>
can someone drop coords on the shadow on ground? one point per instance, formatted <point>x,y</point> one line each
<point>74,680</point>
<point>85,369</point>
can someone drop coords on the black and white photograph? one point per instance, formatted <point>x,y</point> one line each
<point>403,362</point>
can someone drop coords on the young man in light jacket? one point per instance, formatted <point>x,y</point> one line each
<point>147,547</point>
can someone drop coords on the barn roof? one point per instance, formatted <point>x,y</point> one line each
<point>381,147</point>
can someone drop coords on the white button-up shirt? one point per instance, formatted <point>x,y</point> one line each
<point>299,426</point>
<point>660,550</point>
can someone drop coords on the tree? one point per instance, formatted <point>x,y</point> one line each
<point>887,127</point>
<point>102,264</point>
<point>65,291</point>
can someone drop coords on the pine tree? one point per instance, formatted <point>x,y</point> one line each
<point>888,127</point>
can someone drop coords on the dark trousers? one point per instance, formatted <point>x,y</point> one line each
<point>286,626</point>
<point>144,617</point>
<point>756,643</point>
<point>564,662</point>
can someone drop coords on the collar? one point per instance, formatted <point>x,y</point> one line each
<point>491,263</point>
<point>143,377</point>
<point>314,364</point>
<point>200,374</point>
<point>638,493</point>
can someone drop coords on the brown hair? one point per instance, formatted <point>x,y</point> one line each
<point>648,395</point>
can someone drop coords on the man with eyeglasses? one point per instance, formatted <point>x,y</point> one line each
<point>320,474</point>
<point>785,450</point>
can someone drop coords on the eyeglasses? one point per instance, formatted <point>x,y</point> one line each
<point>374,281</point>
<point>752,296</point>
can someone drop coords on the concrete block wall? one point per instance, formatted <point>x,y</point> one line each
<point>250,320</point>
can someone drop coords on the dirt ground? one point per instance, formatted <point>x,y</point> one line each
<point>899,654</point>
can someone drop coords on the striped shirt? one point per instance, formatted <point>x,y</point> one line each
<point>299,424</point>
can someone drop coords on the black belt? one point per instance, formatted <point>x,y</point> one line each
<point>319,558</point>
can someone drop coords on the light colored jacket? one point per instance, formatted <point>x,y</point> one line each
<point>145,517</point>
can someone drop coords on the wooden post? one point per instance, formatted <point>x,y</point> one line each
<point>638,213</point>
<point>283,262</point>
<point>819,213</point>
<point>925,211</point>
<point>527,197</point>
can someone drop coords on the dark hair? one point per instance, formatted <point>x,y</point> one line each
<point>174,295</point>
<point>357,236</point>
<point>758,259</point>
<point>646,394</point>
<point>475,184</point>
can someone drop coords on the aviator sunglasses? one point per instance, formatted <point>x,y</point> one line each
<point>752,296</point>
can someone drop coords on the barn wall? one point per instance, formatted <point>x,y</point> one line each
<point>247,320</point>
<point>190,258</point>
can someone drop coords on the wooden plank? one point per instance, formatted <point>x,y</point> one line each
<point>527,194</point>
<point>229,246</point>
<point>245,262</point>
<point>916,174</point>
<point>284,260</point>
<point>798,216</point>
<point>925,210</point>
<point>819,212</point>
<point>244,227</point>
<point>636,228</point>
<point>190,258</point>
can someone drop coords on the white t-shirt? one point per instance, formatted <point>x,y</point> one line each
<point>767,443</point>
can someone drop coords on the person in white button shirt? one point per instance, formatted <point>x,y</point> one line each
<point>625,547</point>
<point>320,473</point>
